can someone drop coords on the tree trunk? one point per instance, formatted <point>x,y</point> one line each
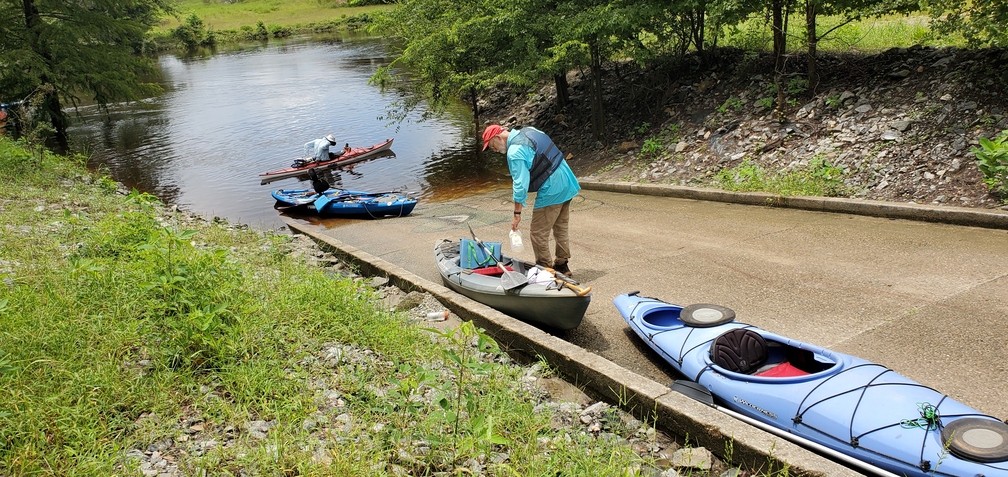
<point>563,95</point>
<point>58,118</point>
<point>597,111</point>
<point>50,102</point>
<point>779,47</point>
<point>810,28</point>
<point>474,103</point>
<point>698,27</point>
<point>779,40</point>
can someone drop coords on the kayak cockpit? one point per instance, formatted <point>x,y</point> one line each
<point>747,352</point>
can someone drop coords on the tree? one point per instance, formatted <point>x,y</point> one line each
<point>981,22</point>
<point>457,49</point>
<point>592,31</point>
<point>849,11</point>
<point>67,51</point>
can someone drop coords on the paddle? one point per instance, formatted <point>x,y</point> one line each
<point>567,282</point>
<point>510,279</point>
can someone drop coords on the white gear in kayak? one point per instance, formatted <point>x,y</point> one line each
<point>538,276</point>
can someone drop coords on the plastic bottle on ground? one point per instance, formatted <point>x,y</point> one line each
<point>437,315</point>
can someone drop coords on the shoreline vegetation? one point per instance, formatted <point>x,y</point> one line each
<point>198,24</point>
<point>139,339</point>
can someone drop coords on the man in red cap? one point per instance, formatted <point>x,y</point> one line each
<point>537,165</point>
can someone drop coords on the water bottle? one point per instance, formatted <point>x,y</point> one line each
<point>516,241</point>
<point>437,315</point>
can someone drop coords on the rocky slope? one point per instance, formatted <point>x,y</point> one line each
<point>900,124</point>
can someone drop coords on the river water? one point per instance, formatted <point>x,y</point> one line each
<point>224,119</point>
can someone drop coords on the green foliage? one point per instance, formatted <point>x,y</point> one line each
<point>34,124</point>
<point>6,367</point>
<point>731,103</point>
<point>445,46</point>
<point>992,159</point>
<point>672,132</point>
<point>654,147</point>
<point>462,399</point>
<point>642,129</point>
<point>833,101</point>
<point>277,31</point>
<point>83,50</point>
<point>747,176</point>
<point>819,178</point>
<point>192,328</point>
<point>261,33</point>
<point>193,34</point>
<point>981,22</point>
<point>796,86</point>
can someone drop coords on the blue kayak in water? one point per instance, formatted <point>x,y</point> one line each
<point>812,394</point>
<point>288,199</point>
<point>344,203</point>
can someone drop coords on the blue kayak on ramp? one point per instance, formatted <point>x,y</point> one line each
<point>815,395</point>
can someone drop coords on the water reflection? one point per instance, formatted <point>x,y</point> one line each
<point>226,118</point>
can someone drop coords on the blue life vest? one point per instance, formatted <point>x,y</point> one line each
<point>547,156</point>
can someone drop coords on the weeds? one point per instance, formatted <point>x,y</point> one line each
<point>641,130</point>
<point>833,101</point>
<point>732,103</point>
<point>819,178</point>
<point>796,87</point>
<point>654,147</point>
<point>992,159</point>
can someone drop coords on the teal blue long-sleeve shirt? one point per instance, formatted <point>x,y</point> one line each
<point>560,187</point>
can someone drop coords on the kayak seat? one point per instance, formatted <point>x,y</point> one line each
<point>493,271</point>
<point>788,361</point>
<point>781,370</point>
<point>739,350</point>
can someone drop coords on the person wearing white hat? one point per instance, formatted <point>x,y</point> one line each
<point>318,150</point>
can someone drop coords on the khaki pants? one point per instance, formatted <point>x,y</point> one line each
<point>553,218</point>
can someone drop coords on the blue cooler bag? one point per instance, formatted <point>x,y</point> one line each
<point>472,255</point>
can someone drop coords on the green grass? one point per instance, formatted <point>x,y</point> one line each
<point>818,178</point>
<point>123,324</point>
<point>866,35</point>
<point>283,13</point>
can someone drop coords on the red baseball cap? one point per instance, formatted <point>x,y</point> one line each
<point>491,132</point>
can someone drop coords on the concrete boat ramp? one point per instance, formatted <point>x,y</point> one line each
<point>922,290</point>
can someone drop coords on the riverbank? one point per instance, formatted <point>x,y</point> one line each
<point>141,338</point>
<point>898,125</point>
<point>198,24</point>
